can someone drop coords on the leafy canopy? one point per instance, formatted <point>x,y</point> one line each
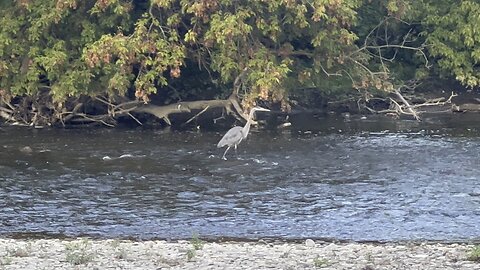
<point>453,34</point>
<point>69,48</point>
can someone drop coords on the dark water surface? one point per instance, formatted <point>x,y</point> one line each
<point>365,179</point>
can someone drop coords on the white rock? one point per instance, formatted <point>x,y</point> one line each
<point>309,243</point>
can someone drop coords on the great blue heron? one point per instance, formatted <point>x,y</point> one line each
<point>235,135</point>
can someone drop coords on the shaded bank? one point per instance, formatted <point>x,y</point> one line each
<point>223,113</point>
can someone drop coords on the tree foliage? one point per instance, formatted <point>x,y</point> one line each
<point>453,34</point>
<point>65,49</point>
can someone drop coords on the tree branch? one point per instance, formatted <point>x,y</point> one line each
<point>412,111</point>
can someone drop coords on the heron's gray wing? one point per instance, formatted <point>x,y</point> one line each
<point>232,137</point>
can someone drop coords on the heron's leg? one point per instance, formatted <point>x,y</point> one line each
<point>236,153</point>
<point>224,158</point>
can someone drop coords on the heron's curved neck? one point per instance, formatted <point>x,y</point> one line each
<point>246,128</point>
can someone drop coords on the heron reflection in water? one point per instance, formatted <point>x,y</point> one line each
<point>235,135</point>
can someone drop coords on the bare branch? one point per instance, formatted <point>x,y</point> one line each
<point>410,109</point>
<point>436,102</point>
<point>70,114</point>
<point>378,48</point>
<point>198,114</point>
<point>329,74</point>
<point>134,118</point>
<point>238,81</point>
<point>99,119</point>
<point>7,114</point>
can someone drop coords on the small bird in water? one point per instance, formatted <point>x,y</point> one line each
<point>235,135</point>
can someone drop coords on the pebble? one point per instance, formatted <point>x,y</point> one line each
<point>123,254</point>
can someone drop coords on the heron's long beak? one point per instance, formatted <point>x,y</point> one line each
<point>261,109</point>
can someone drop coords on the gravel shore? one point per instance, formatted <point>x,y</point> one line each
<point>195,254</point>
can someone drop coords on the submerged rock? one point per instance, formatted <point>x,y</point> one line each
<point>26,149</point>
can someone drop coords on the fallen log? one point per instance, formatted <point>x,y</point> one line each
<point>467,107</point>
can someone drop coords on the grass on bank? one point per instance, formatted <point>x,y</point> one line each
<point>197,244</point>
<point>120,252</point>
<point>4,261</point>
<point>320,263</point>
<point>79,252</point>
<point>23,251</point>
<point>474,254</point>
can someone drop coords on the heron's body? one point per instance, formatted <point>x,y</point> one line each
<point>235,135</point>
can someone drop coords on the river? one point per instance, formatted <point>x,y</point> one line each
<point>361,179</point>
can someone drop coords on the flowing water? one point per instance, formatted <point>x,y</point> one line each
<point>326,178</point>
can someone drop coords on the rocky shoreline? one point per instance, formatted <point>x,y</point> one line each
<point>196,254</point>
